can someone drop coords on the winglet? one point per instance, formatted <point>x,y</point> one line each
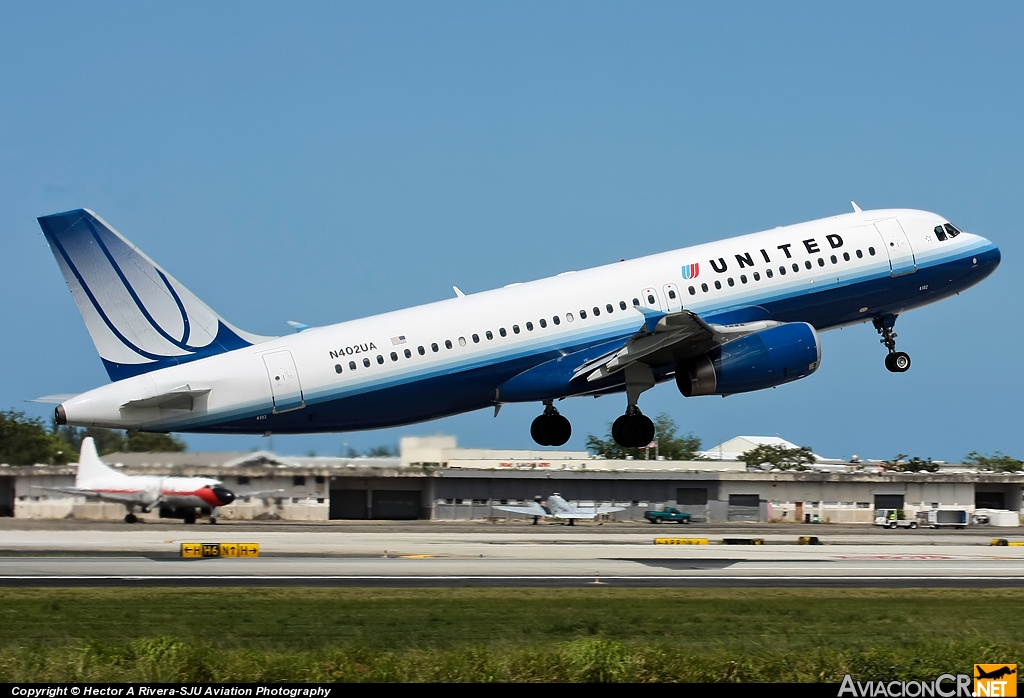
<point>856,208</point>
<point>458,292</point>
<point>298,326</point>
<point>651,317</point>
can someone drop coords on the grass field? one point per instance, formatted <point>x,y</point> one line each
<point>588,634</point>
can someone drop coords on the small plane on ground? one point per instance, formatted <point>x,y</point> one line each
<point>558,508</point>
<point>97,480</point>
<point>720,318</point>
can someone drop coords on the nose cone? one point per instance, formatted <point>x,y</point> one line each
<point>988,259</point>
<point>224,495</point>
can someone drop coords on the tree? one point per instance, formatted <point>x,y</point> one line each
<point>382,452</point>
<point>670,446</point>
<point>902,463</point>
<point>153,443</point>
<point>781,457</point>
<point>26,441</point>
<point>998,462</point>
<point>111,441</point>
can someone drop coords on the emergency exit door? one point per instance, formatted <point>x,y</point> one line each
<point>284,381</point>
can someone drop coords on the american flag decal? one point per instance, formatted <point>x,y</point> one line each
<point>400,339</point>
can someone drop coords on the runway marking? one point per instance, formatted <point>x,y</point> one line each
<point>444,577</point>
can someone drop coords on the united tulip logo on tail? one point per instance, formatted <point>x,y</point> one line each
<point>690,271</point>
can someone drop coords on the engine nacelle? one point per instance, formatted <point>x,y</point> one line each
<point>758,360</point>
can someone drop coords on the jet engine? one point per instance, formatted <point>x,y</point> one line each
<point>762,359</point>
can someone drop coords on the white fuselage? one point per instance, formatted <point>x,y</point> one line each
<point>454,355</point>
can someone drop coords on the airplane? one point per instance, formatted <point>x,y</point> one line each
<point>557,508</point>
<point>719,318</point>
<point>97,480</point>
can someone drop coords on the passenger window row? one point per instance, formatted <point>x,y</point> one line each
<point>516,329</point>
<point>769,273</point>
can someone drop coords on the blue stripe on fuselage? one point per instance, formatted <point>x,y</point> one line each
<point>428,394</point>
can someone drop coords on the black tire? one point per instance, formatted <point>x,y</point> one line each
<point>898,362</point>
<point>617,430</point>
<point>189,518</point>
<point>539,431</point>
<point>213,520</point>
<point>558,430</point>
<point>657,521</point>
<point>913,524</point>
<point>131,518</point>
<point>637,431</point>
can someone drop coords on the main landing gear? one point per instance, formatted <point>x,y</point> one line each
<point>633,429</point>
<point>551,428</point>
<point>895,361</point>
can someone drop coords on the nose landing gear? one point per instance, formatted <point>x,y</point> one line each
<point>551,428</point>
<point>895,361</point>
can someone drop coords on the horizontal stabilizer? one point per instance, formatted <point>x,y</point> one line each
<point>55,399</point>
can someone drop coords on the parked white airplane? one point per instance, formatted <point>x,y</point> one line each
<point>557,508</point>
<point>720,318</point>
<point>97,480</point>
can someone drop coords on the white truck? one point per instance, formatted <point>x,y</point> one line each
<point>893,518</point>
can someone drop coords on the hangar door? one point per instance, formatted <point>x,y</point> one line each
<point>6,496</point>
<point>375,504</point>
<point>888,501</point>
<point>990,500</point>
<point>692,500</point>
<point>744,507</point>
<point>348,504</point>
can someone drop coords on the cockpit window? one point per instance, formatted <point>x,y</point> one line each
<point>950,230</point>
<point>940,234</point>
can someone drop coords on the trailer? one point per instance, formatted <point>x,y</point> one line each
<point>943,518</point>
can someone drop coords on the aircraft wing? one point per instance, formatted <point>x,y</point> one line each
<point>586,512</point>
<point>256,493</point>
<point>119,497</point>
<point>666,338</point>
<point>533,509</point>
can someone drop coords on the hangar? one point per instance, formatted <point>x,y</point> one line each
<point>434,479</point>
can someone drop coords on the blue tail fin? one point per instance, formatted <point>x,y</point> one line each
<point>140,318</point>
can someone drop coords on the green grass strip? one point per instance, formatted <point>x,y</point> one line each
<point>590,634</point>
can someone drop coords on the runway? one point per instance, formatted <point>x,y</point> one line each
<point>90,554</point>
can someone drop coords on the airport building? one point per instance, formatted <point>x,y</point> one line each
<point>434,479</point>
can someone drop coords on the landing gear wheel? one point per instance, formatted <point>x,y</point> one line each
<point>633,430</point>
<point>189,518</point>
<point>213,519</point>
<point>131,518</point>
<point>551,428</point>
<point>898,361</point>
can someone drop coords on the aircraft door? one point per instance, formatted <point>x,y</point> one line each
<point>650,299</point>
<point>284,381</point>
<point>897,245</point>
<point>672,298</point>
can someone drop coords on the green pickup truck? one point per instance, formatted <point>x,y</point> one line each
<point>667,514</point>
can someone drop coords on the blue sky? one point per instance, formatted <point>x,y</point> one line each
<point>325,161</point>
